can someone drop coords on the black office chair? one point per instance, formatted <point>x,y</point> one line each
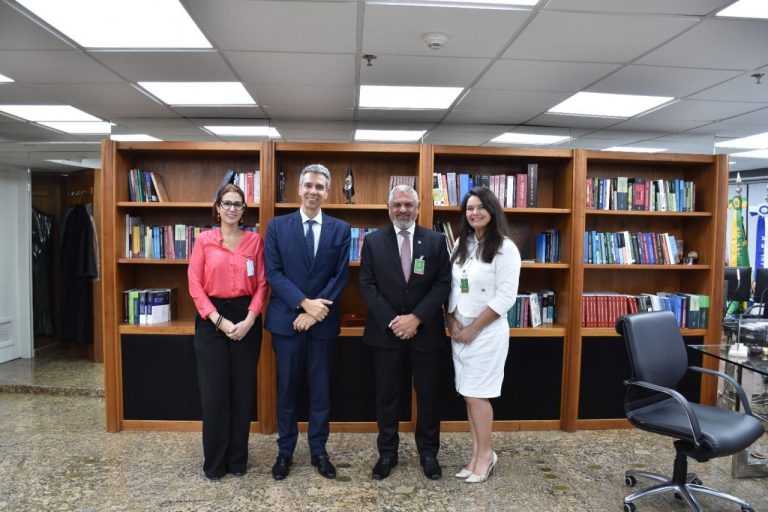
<point>658,358</point>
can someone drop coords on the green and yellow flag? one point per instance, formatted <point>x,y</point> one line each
<point>739,253</point>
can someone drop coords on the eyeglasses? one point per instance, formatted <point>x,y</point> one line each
<point>237,205</point>
<point>407,206</point>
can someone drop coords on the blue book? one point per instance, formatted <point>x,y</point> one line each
<point>541,247</point>
<point>464,186</point>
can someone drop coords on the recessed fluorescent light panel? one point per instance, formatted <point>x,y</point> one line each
<point>757,141</point>
<point>608,105</point>
<point>403,98</point>
<point>529,138</point>
<point>634,149</point>
<point>390,135</point>
<point>758,153</point>
<point>80,128</point>
<point>244,131</point>
<point>469,4</point>
<point>199,93</point>
<point>47,113</point>
<point>746,9</point>
<point>134,137</point>
<point>120,24</point>
<point>86,163</point>
<point>4,79</point>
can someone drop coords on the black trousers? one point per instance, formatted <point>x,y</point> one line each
<point>226,371</point>
<point>391,368</point>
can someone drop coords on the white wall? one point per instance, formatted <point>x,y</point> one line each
<point>16,255</point>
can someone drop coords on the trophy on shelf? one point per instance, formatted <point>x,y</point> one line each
<point>280,186</point>
<point>349,186</point>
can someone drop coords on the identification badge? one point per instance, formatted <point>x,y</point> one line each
<point>249,267</point>
<point>464,284</point>
<point>418,266</point>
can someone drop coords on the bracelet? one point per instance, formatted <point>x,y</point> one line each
<point>218,322</point>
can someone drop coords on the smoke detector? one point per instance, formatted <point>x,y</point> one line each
<point>434,40</point>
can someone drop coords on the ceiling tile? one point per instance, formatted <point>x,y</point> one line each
<point>686,7</point>
<point>741,88</point>
<point>394,116</point>
<point>758,117</point>
<point>301,96</point>
<point>101,99</point>
<point>312,113</point>
<point>503,107</point>
<point>595,123</point>
<point>17,32</point>
<point>716,43</point>
<point>661,80</point>
<point>422,71</point>
<point>686,114</point>
<point>186,66</point>
<point>19,94</point>
<point>398,30</point>
<point>31,132</point>
<point>529,75</point>
<point>55,67</point>
<point>220,112</point>
<point>278,26</point>
<point>593,37</point>
<point>293,68</point>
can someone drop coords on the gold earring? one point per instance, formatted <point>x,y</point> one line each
<point>218,218</point>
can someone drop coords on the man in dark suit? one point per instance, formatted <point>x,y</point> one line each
<point>307,255</point>
<point>405,278</point>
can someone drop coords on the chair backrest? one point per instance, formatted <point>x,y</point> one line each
<point>655,347</point>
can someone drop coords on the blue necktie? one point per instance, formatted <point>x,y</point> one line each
<point>310,241</point>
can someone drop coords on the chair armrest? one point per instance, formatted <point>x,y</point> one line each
<point>692,420</point>
<point>732,381</point>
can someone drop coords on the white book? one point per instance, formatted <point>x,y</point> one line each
<point>535,310</point>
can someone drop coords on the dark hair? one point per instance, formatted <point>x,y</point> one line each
<point>230,187</point>
<point>495,233</point>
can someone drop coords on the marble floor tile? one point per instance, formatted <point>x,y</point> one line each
<point>56,370</point>
<point>55,455</point>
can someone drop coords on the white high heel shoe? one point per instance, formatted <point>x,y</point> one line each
<point>464,473</point>
<point>476,479</point>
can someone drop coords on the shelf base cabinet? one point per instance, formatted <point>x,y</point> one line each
<point>605,367</point>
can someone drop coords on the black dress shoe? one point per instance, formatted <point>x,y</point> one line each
<point>431,467</point>
<point>213,478</point>
<point>324,466</point>
<point>383,467</point>
<point>238,473</point>
<point>282,467</point>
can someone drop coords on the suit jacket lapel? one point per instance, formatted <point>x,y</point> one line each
<point>325,236</point>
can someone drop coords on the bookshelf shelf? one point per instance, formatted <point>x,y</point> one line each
<point>594,266</point>
<point>173,204</point>
<point>174,327</point>
<point>545,266</point>
<point>526,211</point>
<point>331,206</point>
<point>151,261</point>
<point>641,213</point>
<point>610,332</point>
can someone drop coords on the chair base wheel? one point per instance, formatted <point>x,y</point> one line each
<point>629,507</point>
<point>630,481</point>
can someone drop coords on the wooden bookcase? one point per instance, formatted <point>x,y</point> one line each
<point>150,379</point>
<point>597,358</point>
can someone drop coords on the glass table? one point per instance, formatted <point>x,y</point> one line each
<point>752,373</point>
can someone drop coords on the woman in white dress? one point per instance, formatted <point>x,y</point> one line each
<point>485,275</point>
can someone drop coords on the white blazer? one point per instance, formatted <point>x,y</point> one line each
<point>491,284</point>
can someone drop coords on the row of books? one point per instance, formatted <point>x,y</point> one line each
<point>146,187</point>
<point>548,246</point>
<point>533,309</point>
<point>623,193</point>
<point>603,309</point>
<point>402,180</point>
<point>149,306</point>
<point>248,181</point>
<point>516,190</point>
<point>357,235</point>
<point>627,248</point>
<point>173,242</point>
<point>447,231</point>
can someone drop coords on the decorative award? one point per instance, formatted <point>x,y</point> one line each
<point>349,185</point>
<point>280,186</point>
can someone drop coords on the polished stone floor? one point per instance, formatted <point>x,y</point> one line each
<point>56,456</point>
<point>59,369</point>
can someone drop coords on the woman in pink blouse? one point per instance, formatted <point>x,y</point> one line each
<point>228,284</point>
